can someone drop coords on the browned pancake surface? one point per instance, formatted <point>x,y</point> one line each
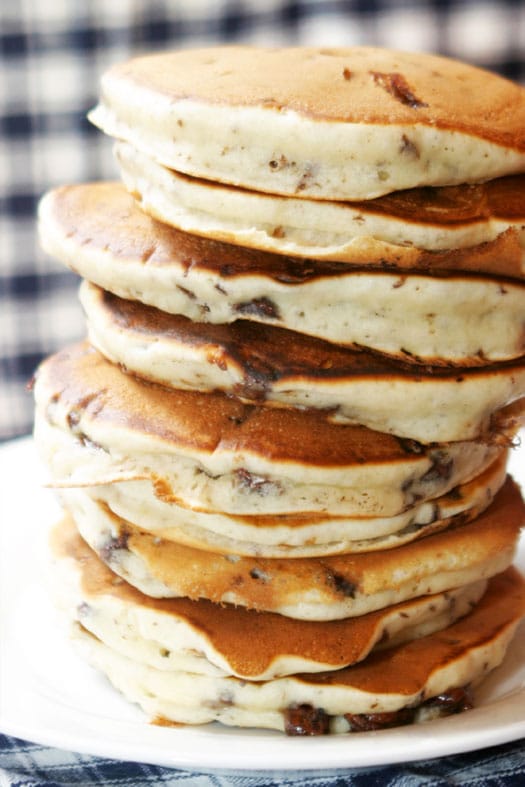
<point>267,353</point>
<point>88,386</point>
<point>268,583</point>
<point>405,668</point>
<point>250,641</point>
<point>103,217</point>
<point>361,85</point>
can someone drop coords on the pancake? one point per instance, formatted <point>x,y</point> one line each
<point>96,425</point>
<point>419,676</point>
<point>428,219</point>
<point>209,639</point>
<point>331,123</point>
<point>262,363</point>
<point>461,318</point>
<point>83,213</point>
<point>296,536</point>
<point>324,588</point>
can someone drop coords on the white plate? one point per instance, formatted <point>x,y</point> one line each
<point>48,696</point>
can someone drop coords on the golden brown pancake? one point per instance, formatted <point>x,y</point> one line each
<point>333,123</point>
<point>104,217</point>
<point>264,364</point>
<point>216,639</point>
<point>308,588</point>
<point>412,682</point>
<point>95,425</point>
<point>347,246</point>
<point>456,317</point>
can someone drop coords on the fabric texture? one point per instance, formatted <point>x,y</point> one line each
<point>51,59</point>
<point>25,764</point>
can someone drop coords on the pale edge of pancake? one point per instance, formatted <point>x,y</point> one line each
<point>286,225</point>
<point>289,536</point>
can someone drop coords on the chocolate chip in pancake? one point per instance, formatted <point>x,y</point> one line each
<point>412,682</point>
<point>461,318</point>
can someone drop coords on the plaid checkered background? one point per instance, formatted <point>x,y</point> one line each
<point>52,55</point>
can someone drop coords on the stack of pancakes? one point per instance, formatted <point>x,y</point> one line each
<point>282,453</point>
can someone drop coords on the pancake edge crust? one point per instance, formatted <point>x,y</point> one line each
<point>87,210</point>
<point>96,425</point>
<point>460,318</point>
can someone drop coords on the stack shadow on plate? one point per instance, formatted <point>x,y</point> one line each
<point>282,452</point>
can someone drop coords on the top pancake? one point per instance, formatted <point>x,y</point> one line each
<point>329,123</point>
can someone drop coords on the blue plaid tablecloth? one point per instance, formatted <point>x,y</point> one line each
<point>24,764</point>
